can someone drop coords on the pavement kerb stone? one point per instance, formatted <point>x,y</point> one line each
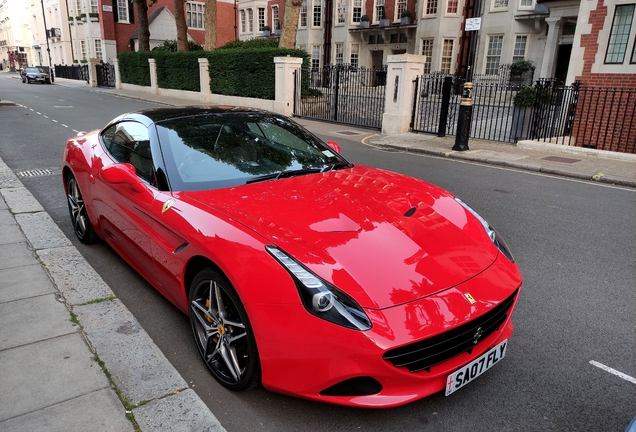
<point>138,369</point>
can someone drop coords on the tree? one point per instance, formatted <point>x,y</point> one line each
<point>182,28</point>
<point>290,24</point>
<point>210,25</point>
<point>143,29</point>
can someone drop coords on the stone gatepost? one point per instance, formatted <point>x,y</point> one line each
<point>154,88</point>
<point>285,83</point>
<point>117,74</point>
<point>402,70</point>
<point>204,80</point>
<point>92,72</point>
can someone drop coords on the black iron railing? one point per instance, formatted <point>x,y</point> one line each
<point>105,74</point>
<point>74,72</point>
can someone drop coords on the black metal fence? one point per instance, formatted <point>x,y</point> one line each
<point>341,94</point>
<point>105,74</point>
<point>74,72</point>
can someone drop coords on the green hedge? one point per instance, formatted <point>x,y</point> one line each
<point>245,72</point>
<point>134,67</point>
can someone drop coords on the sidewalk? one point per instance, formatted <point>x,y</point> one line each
<point>72,357</point>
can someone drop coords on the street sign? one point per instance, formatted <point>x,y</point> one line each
<point>473,24</point>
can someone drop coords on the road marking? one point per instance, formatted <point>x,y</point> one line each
<point>38,113</point>
<point>46,116</point>
<point>613,371</point>
<point>76,131</point>
<point>54,120</point>
<point>63,125</point>
<point>31,109</point>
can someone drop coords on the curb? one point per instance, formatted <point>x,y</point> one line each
<point>596,177</point>
<point>144,381</point>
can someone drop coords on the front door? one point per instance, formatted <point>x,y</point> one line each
<point>563,60</point>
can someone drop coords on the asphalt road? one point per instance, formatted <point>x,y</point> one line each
<point>574,241</point>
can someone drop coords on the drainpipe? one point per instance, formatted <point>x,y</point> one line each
<point>326,56</point>
<point>70,35</point>
<point>46,33</point>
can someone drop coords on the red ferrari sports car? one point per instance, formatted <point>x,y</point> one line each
<point>299,270</point>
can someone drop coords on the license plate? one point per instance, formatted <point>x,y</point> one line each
<point>472,370</point>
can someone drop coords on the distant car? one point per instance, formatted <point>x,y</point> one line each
<point>36,74</point>
<point>299,270</point>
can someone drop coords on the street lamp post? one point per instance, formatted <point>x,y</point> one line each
<point>465,114</point>
<point>46,33</point>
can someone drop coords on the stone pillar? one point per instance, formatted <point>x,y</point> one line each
<point>285,83</point>
<point>401,72</point>
<point>551,45</point>
<point>92,72</point>
<point>204,80</point>
<point>154,88</point>
<point>117,74</point>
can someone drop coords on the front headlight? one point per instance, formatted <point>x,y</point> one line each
<point>320,298</point>
<point>494,235</point>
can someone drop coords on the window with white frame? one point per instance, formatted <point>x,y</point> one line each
<point>315,56</point>
<point>94,7</point>
<point>122,11</point>
<point>355,55</point>
<point>451,7</point>
<point>356,11</point>
<point>339,53</point>
<point>302,47</point>
<point>493,55</point>
<point>447,56</point>
<point>98,49</point>
<point>519,52</point>
<point>195,15</point>
<point>525,4</point>
<point>303,14</point>
<point>79,6</point>
<point>401,7</point>
<point>619,34</point>
<point>341,11</point>
<point>275,19</point>
<point>379,10</point>
<point>243,21</point>
<point>427,50</point>
<point>500,4</point>
<point>83,49</point>
<point>317,13</point>
<point>431,7</point>
<point>261,19</point>
<point>250,20</point>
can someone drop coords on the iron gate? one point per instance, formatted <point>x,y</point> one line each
<point>435,104</point>
<point>341,94</point>
<point>74,72</point>
<point>105,74</point>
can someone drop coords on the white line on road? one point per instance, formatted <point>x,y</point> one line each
<point>46,116</point>
<point>613,371</point>
<point>54,120</point>
<point>32,109</point>
<point>38,113</point>
<point>63,125</point>
<point>76,131</point>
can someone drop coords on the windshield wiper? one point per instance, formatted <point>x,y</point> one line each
<point>284,174</point>
<point>336,166</point>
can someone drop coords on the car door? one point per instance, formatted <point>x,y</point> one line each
<point>124,192</point>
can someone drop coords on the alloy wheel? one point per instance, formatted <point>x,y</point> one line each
<point>77,210</point>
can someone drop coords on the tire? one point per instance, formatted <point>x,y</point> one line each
<point>222,332</point>
<point>77,210</point>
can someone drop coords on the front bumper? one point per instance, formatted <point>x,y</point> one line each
<point>304,356</point>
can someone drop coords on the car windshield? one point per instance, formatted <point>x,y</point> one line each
<point>212,151</point>
<point>37,70</point>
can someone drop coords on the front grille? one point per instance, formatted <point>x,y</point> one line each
<point>423,354</point>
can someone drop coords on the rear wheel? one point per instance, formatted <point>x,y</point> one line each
<point>222,332</point>
<point>79,217</point>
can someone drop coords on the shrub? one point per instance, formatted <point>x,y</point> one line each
<point>171,45</point>
<point>178,70</point>
<point>252,43</point>
<point>134,67</point>
<point>406,13</point>
<point>530,96</point>
<point>364,18</point>
<point>519,67</point>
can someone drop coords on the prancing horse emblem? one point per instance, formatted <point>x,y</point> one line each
<point>470,298</point>
<point>167,205</point>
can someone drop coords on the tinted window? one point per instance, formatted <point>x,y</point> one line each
<point>129,142</point>
<point>211,151</point>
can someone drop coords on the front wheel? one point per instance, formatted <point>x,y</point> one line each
<point>222,332</point>
<point>79,216</point>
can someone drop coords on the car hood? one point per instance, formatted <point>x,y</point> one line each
<point>384,238</point>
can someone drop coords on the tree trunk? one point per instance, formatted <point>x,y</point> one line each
<point>144,31</point>
<point>210,25</point>
<point>182,28</point>
<point>290,24</point>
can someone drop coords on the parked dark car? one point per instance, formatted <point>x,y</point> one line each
<point>38,74</point>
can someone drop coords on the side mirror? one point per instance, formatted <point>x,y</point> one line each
<point>122,173</point>
<point>334,145</point>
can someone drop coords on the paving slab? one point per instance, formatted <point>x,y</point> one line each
<point>182,412</point>
<point>16,256</point>
<point>24,282</point>
<point>41,230</point>
<point>137,366</point>
<point>20,200</point>
<point>9,233</point>
<point>96,411</point>
<point>73,276</point>
<point>45,373</point>
<point>45,309</point>
<point>7,178</point>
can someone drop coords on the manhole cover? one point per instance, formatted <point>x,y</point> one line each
<point>36,173</point>
<point>561,159</point>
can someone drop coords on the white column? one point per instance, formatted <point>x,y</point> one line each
<point>154,88</point>
<point>551,45</point>
<point>285,83</point>
<point>204,80</point>
<point>402,70</point>
<point>92,72</point>
<point>117,74</point>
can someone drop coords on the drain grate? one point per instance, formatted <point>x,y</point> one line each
<point>36,173</point>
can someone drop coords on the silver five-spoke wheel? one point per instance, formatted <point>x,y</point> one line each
<point>77,210</point>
